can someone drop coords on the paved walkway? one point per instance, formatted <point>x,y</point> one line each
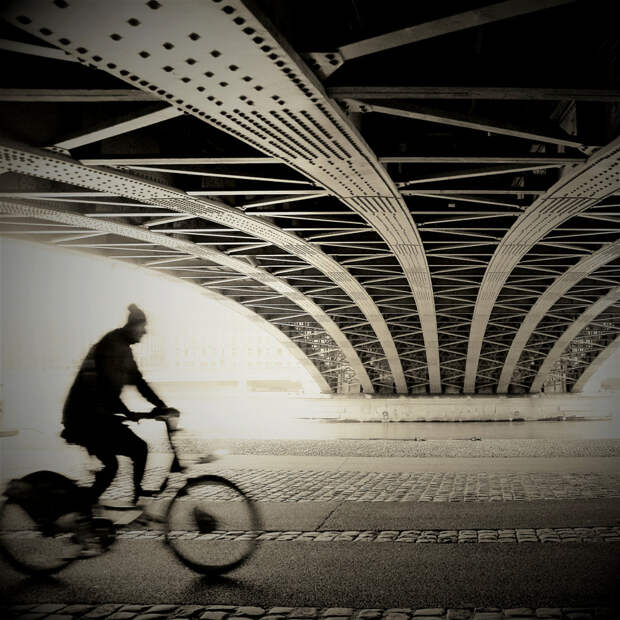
<point>448,498</point>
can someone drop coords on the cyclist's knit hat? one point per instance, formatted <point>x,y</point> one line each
<point>135,315</point>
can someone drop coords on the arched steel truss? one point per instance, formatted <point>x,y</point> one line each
<point>61,169</point>
<point>184,248</point>
<point>297,123</point>
<point>406,248</point>
<point>584,186</point>
<point>596,364</point>
<point>570,334</point>
<point>560,287</point>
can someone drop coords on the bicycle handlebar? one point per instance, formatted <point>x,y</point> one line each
<point>164,414</point>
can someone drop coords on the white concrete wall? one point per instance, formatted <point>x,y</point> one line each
<point>456,408</point>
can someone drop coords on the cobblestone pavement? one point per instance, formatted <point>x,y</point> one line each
<point>449,448</point>
<point>507,535</point>
<point>313,486</point>
<point>59,611</point>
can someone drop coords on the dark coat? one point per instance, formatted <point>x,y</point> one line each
<point>94,397</point>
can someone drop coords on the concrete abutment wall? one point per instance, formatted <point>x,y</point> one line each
<point>366,408</point>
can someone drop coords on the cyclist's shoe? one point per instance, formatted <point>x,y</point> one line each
<point>205,521</point>
<point>176,467</point>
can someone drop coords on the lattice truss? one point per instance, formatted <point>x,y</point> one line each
<point>469,244</point>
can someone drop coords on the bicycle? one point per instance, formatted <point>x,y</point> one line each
<point>45,523</point>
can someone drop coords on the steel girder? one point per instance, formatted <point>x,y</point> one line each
<point>331,329</point>
<point>598,362</point>
<point>268,99</point>
<point>570,334</point>
<point>269,102</point>
<point>545,302</point>
<point>583,186</point>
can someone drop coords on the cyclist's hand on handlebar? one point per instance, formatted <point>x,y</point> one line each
<point>164,412</point>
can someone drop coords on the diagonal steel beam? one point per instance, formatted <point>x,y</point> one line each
<point>174,161</point>
<point>429,30</point>
<point>35,50</point>
<point>217,175</point>
<point>240,266</point>
<point>572,332</point>
<point>121,127</point>
<point>453,119</point>
<point>470,174</point>
<point>579,189</point>
<point>229,70</point>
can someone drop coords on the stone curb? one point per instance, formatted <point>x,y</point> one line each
<point>601,534</point>
<point>118,611</point>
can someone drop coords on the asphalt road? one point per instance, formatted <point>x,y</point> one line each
<point>343,574</point>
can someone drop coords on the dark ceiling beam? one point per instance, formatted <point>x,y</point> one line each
<point>103,95</point>
<point>472,192</point>
<point>172,161</point>
<point>74,95</point>
<point>475,92</point>
<point>473,159</point>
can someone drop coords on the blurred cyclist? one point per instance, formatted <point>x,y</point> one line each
<point>90,415</point>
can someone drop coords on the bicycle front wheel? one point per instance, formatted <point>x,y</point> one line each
<point>30,550</point>
<point>212,526</point>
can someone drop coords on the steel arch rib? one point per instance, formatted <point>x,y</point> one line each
<point>263,324</point>
<point>276,333</point>
<point>244,80</point>
<point>583,186</point>
<point>598,361</point>
<point>126,230</point>
<point>59,168</point>
<point>545,302</point>
<point>27,210</point>
<point>572,332</point>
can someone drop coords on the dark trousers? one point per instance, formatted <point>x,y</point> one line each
<point>129,444</point>
<point>105,439</point>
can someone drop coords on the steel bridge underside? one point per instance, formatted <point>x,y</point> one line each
<point>416,199</point>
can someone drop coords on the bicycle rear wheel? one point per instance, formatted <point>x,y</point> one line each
<point>27,549</point>
<point>212,525</point>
